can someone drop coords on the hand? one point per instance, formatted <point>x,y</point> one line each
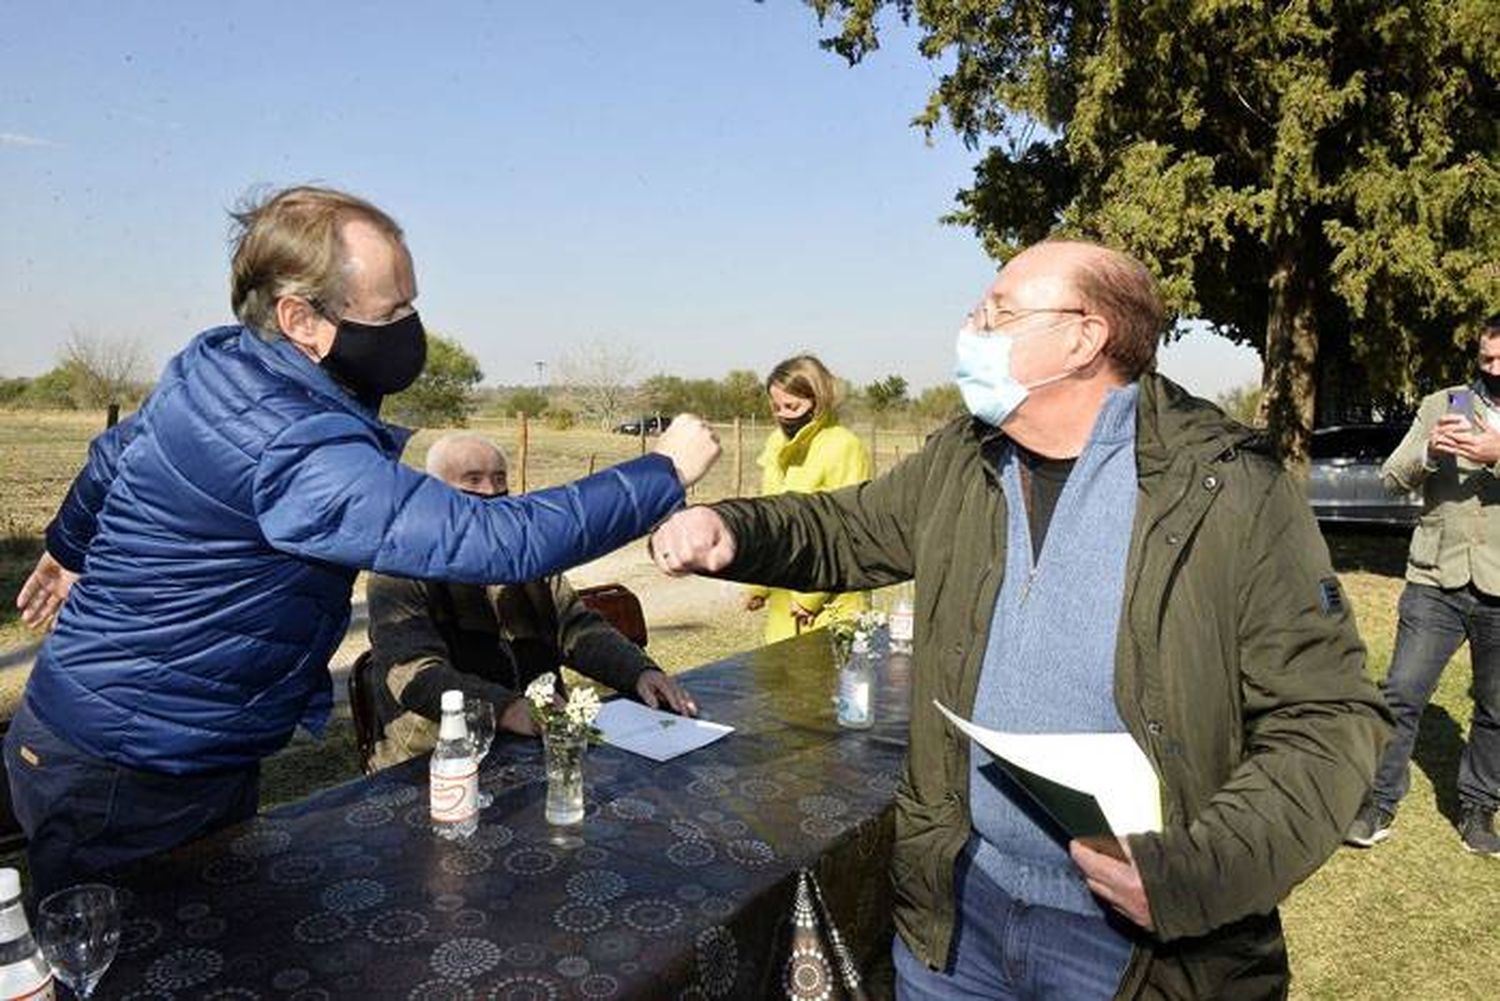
<point>516,718</point>
<point>44,592</point>
<point>655,688</point>
<point>754,602</point>
<point>802,616</point>
<point>1478,441</point>
<point>692,541</point>
<point>1117,883</point>
<point>691,445</point>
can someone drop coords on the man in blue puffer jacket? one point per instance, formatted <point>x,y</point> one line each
<point>215,535</point>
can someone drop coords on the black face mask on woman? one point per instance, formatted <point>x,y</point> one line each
<point>791,427</point>
<point>1491,384</point>
<point>377,359</point>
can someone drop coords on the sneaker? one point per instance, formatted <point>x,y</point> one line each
<point>1477,827</point>
<point>1371,826</point>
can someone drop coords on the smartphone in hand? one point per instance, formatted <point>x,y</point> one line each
<point>1461,403</point>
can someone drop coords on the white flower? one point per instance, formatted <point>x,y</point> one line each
<point>582,707</point>
<point>539,692</point>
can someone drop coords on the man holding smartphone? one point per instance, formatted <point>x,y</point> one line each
<point>1452,594</point>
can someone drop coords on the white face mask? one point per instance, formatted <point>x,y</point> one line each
<point>984,377</point>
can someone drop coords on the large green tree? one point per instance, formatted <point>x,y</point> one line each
<point>1316,178</point>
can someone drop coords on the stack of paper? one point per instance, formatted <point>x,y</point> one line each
<point>652,733</point>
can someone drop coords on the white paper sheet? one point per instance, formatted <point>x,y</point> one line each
<point>653,733</point>
<point>1111,767</point>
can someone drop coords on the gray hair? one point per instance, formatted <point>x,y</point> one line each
<point>438,451</point>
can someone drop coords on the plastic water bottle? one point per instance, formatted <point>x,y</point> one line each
<point>455,774</point>
<point>902,624</point>
<point>24,974</point>
<point>856,682</point>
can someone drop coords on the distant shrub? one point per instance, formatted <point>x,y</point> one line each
<point>559,419</point>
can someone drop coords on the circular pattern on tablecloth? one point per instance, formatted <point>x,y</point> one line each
<point>717,908</point>
<point>598,985</point>
<point>807,976</point>
<point>711,816</point>
<point>396,926</point>
<point>718,773</point>
<point>572,967</point>
<point>525,987</point>
<point>351,895</point>
<point>492,837</point>
<point>184,968</point>
<point>707,789</point>
<point>596,885</point>
<point>310,994</point>
<point>750,852</point>
<point>531,862</point>
<point>206,929</point>
<point>232,994</point>
<point>581,917</point>
<point>148,994</point>
<point>691,893</point>
<point>822,827</point>
<point>761,790</point>
<point>320,929</point>
<point>295,870</point>
<point>398,796</point>
<point>734,829</point>
<point>193,912</point>
<point>718,960</point>
<point>463,958</point>
<point>447,902</point>
<point>466,862</point>
<point>138,933</point>
<point>441,990</point>
<point>525,954</point>
<point>418,817</point>
<point>883,784</point>
<point>290,978</point>
<point>367,815</point>
<point>262,842</point>
<point>687,830</point>
<point>228,869</point>
<point>470,919</point>
<point>613,946</point>
<point>632,808</point>
<point>652,915</point>
<point>690,854</point>
<point>590,855</point>
<point>823,805</point>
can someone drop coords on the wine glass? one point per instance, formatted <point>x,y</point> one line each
<point>479,717</point>
<point>79,931</point>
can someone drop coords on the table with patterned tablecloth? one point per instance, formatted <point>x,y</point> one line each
<point>754,867</point>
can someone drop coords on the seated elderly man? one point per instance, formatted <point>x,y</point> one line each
<point>489,642</point>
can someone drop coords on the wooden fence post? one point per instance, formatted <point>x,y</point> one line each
<point>525,446</point>
<point>113,416</point>
<point>874,452</point>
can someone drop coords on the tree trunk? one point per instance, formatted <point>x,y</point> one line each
<point>1291,356</point>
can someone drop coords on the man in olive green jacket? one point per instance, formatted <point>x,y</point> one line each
<point>1236,665</point>
<point>1452,594</point>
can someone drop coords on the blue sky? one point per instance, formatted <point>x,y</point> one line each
<point>694,180</point>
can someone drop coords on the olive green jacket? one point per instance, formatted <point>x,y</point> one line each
<point>1238,670</point>
<point>1457,540</point>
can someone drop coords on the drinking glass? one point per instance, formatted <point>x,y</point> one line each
<point>479,716</point>
<point>79,931</point>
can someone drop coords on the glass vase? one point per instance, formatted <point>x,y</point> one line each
<point>564,758</point>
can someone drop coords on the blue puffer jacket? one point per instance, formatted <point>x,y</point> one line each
<point>219,531</point>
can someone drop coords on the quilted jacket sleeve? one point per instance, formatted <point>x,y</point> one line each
<point>325,490</point>
<point>72,529</point>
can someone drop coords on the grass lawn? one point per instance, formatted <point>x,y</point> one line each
<point>1416,916</point>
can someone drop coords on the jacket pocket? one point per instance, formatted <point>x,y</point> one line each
<point>1426,542</point>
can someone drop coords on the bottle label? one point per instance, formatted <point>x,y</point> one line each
<point>42,991</point>
<point>455,798</point>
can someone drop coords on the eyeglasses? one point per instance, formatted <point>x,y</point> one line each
<point>988,320</point>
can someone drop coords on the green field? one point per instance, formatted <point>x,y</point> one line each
<point>1417,916</point>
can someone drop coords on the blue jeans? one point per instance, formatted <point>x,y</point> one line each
<point>1433,624</point>
<point>1005,949</point>
<point>83,815</point>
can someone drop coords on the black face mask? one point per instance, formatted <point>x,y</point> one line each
<point>376,360</point>
<point>486,497</point>
<point>791,427</point>
<point>1491,384</point>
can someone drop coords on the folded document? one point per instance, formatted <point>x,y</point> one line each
<point>653,733</point>
<point>1091,784</point>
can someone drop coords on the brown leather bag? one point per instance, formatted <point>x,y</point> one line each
<point>618,604</point>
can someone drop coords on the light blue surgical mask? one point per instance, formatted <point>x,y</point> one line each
<point>984,377</point>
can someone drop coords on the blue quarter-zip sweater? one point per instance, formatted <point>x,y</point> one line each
<point>1049,663</point>
<point>219,531</point>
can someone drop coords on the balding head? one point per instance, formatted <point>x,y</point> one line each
<point>1109,284</point>
<point>469,462</point>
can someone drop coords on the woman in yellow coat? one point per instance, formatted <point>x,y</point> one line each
<point>807,452</point>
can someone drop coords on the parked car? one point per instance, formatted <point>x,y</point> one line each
<point>655,424</point>
<point>1343,482</point>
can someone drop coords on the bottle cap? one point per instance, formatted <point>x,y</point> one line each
<point>453,701</point>
<point>10,884</point>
